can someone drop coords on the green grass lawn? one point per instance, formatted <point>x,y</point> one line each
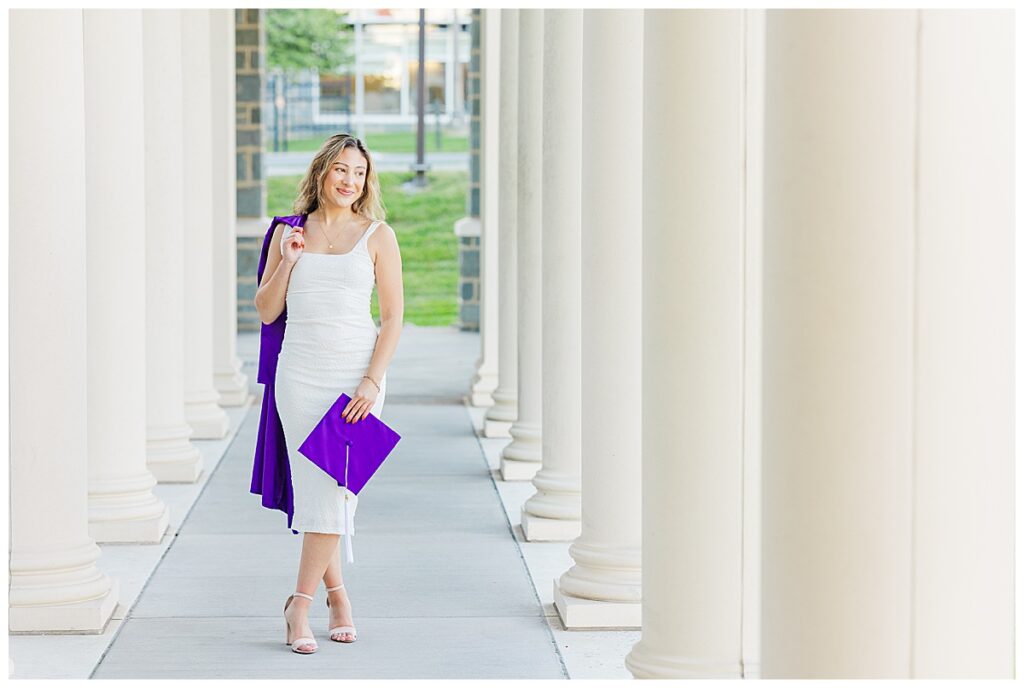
<point>424,225</point>
<point>390,142</point>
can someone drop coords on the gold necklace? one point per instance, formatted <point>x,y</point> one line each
<point>330,244</point>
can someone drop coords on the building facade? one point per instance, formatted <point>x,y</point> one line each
<point>375,89</point>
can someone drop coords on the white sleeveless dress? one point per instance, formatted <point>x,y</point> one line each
<point>328,343</point>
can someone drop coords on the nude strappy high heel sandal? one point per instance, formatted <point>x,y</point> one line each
<point>340,629</point>
<point>298,642</point>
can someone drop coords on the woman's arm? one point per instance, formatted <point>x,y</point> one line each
<point>390,298</point>
<point>387,263</point>
<point>270,295</point>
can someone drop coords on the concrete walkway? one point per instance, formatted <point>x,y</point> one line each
<point>444,584</point>
<point>439,587</point>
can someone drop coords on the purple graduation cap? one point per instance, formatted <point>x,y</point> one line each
<point>349,452</point>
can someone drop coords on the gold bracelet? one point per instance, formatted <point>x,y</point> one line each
<point>373,381</point>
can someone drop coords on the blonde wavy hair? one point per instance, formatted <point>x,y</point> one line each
<point>310,197</point>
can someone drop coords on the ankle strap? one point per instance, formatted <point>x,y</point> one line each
<point>336,587</point>
<point>302,594</point>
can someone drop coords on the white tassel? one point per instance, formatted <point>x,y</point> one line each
<point>349,558</point>
<point>348,533</point>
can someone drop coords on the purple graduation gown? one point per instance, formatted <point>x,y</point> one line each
<point>271,474</point>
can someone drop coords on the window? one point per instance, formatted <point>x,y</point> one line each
<point>337,93</point>
<point>382,69</point>
<point>383,93</point>
<point>435,92</point>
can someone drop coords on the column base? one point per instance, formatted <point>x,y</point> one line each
<point>502,414</point>
<point>521,458</point>
<point>481,389</point>
<point>141,531</point>
<point>496,428</point>
<point>186,470</point>
<point>518,470</point>
<point>233,389</point>
<point>538,529</point>
<point>232,392</point>
<point>643,663</point>
<point>577,613</point>
<point>124,509</point>
<point>170,457</point>
<point>207,420</point>
<point>89,617</point>
<point>526,443</point>
<point>480,399</point>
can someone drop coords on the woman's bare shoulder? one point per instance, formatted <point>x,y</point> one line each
<point>275,237</point>
<point>273,251</point>
<point>382,236</point>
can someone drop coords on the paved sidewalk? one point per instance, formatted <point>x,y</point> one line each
<point>439,587</point>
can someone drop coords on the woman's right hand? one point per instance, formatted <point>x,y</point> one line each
<point>292,244</point>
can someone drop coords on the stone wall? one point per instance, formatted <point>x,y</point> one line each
<point>248,259</point>
<point>249,67</point>
<point>468,228</point>
<point>250,48</point>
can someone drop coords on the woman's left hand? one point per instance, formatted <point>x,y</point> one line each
<point>361,403</point>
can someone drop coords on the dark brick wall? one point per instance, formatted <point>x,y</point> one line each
<point>469,247</point>
<point>250,44</point>
<point>248,259</point>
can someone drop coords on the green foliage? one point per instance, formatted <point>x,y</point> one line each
<point>424,224</point>
<point>405,141</point>
<point>317,39</point>
<point>389,142</point>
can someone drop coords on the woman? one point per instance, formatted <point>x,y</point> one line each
<point>323,271</point>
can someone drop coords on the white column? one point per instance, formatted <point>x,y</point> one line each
<point>753,370</point>
<point>602,589</point>
<point>553,512</point>
<point>503,413</point>
<point>693,357</point>
<point>486,379</point>
<point>55,584</point>
<point>207,419</point>
<point>520,459</point>
<point>838,412</point>
<point>122,507</point>
<point>888,428</point>
<point>231,383</point>
<point>964,425</point>
<point>170,455</point>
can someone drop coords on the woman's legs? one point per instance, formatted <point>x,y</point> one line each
<point>332,576</point>
<point>341,612</point>
<point>317,550</point>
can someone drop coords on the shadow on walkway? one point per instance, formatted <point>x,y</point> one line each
<point>439,588</point>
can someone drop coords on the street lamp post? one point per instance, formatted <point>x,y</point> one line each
<point>420,168</point>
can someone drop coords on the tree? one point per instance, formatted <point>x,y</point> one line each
<point>308,39</point>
